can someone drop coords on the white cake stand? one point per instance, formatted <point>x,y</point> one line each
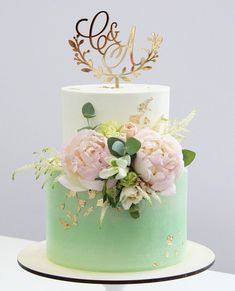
<point>33,259</point>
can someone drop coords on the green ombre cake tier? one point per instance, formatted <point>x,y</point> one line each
<point>156,239</point>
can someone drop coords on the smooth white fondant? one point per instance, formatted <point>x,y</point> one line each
<point>111,103</point>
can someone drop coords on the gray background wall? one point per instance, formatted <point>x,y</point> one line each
<point>196,60</point>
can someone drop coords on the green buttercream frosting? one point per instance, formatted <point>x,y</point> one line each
<point>75,238</point>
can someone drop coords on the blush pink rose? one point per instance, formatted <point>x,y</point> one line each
<point>82,160</point>
<point>129,129</point>
<point>159,161</point>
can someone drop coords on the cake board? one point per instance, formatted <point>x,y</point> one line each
<point>33,259</point>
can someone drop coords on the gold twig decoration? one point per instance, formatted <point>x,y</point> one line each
<point>106,43</point>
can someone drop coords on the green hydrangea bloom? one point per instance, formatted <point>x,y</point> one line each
<point>129,180</point>
<point>109,128</point>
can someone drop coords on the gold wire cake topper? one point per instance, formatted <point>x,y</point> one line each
<point>111,49</point>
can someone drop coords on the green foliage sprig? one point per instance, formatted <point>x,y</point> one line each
<point>112,195</point>
<point>120,148</point>
<point>88,111</point>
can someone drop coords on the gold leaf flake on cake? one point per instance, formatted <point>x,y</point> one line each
<point>92,194</point>
<point>169,240</point>
<point>88,211</point>
<point>69,213</point>
<point>82,203</point>
<point>71,194</point>
<point>155,264</point>
<point>72,217</point>
<point>65,224</point>
<point>142,109</point>
<point>166,254</point>
<point>100,203</point>
<point>144,106</point>
<point>62,206</point>
<point>176,253</point>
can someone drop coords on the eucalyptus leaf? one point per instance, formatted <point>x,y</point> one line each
<point>188,157</point>
<point>116,147</point>
<point>88,110</point>
<point>119,148</point>
<point>133,145</point>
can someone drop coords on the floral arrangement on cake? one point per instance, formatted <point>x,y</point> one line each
<point>127,163</point>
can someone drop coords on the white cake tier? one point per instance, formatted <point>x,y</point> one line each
<point>111,103</point>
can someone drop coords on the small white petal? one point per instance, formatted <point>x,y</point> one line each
<point>126,204</point>
<point>128,159</point>
<point>92,185</point>
<point>121,162</point>
<point>125,197</point>
<point>121,173</point>
<point>109,159</point>
<point>156,196</point>
<point>109,172</point>
<point>144,194</point>
<point>126,192</point>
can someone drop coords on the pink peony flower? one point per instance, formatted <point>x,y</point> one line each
<point>159,161</point>
<point>82,159</point>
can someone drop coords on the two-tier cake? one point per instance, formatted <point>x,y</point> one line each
<point>117,193</point>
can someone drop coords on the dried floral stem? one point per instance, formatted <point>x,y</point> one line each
<point>44,165</point>
<point>176,128</point>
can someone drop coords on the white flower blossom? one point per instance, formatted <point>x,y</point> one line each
<point>132,195</point>
<point>118,167</point>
